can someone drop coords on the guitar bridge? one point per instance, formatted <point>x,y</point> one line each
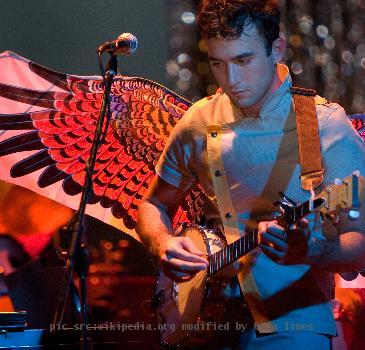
<point>216,241</point>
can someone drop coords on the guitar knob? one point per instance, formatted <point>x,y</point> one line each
<point>354,214</point>
<point>338,181</point>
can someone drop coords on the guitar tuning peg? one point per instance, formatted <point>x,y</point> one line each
<point>354,214</point>
<point>337,181</point>
<point>287,200</point>
<point>335,218</point>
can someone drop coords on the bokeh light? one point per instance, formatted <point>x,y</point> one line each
<point>326,50</point>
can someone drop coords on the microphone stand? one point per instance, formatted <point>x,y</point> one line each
<point>77,259</point>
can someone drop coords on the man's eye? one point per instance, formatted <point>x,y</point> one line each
<point>243,60</point>
<point>215,63</point>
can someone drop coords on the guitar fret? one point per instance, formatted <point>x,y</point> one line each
<point>231,255</point>
<point>235,248</point>
<point>211,264</point>
<point>217,261</point>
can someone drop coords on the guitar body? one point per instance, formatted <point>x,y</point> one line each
<point>188,312</point>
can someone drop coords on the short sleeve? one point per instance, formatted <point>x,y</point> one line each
<point>175,165</point>
<point>343,148</point>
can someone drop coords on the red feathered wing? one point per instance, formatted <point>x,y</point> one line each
<point>47,144</point>
<point>358,122</point>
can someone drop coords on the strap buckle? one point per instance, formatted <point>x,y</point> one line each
<point>312,180</point>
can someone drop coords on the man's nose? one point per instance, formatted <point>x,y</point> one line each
<point>232,75</point>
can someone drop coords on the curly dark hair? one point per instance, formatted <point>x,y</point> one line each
<point>228,19</point>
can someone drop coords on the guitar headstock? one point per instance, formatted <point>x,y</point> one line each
<point>348,193</point>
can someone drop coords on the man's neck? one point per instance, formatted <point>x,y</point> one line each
<point>254,110</point>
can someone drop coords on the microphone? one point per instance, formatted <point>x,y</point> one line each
<point>125,44</point>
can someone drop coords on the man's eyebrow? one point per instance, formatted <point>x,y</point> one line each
<point>242,55</point>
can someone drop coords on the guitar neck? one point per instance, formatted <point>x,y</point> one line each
<point>348,193</point>
<point>248,242</point>
<point>232,252</point>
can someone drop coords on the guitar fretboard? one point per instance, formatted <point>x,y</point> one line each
<point>233,251</point>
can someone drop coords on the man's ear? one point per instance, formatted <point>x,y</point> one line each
<point>278,49</point>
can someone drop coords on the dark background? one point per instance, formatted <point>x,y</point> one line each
<point>63,35</point>
<point>326,42</point>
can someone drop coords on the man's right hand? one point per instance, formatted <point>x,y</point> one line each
<point>180,258</point>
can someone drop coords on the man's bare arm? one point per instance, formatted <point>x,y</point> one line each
<point>180,258</point>
<point>346,253</point>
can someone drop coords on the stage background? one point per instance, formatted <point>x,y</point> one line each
<point>326,49</point>
<point>64,35</point>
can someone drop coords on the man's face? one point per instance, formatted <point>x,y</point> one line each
<point>243,69</point>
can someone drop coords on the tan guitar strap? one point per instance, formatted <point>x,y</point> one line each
<point>231,228</point>
<point>311,176</point>
<point>309,145</point>
<point>220,184</point>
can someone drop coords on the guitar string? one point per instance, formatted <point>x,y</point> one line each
<point>223,257</point>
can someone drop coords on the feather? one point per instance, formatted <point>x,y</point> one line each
<point>143,114</point>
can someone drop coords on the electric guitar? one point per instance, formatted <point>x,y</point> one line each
<point>186,310</point>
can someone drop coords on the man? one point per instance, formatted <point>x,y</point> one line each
<point>250,124</point>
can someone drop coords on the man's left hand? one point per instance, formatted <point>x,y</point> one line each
<point>284,246</point>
